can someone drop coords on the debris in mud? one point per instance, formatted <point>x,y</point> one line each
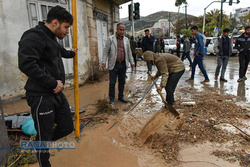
<point>18,157</point>
<point>210,108</point>
<point>103,106</point>
<point>232,157</point>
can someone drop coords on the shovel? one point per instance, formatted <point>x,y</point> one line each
<point>159,119</point>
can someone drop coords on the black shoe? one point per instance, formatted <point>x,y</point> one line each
<point>123,100</point>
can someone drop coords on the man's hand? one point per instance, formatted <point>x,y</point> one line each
<point>159,89</point>
<point>74,49</point>
<point>197,53</point>
<point>133,66</point>
<point>59,87</point>
<point>148,35</point>
<point>104,67</point>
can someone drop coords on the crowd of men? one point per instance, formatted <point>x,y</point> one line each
<point>40,58</point>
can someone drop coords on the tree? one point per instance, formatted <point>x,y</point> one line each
<point>180,2</point>
<point>181,24</point>
<point>245,20</point>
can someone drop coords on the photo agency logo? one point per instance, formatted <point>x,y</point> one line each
<point>47,145</point>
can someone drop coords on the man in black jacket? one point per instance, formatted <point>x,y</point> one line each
<point>148,44</point>
<point>40,58</point>
<point>243,46</point>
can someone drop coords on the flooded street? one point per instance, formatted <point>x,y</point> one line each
<point>207,137</point>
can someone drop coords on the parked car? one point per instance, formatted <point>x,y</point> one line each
<point>170,46</point>
<point>234,38</point>
<point>139,53</point>
<point>210,47</point>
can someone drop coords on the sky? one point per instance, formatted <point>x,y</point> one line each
<point>195,7</point>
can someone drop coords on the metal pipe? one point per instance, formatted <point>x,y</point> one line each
<point>76,91</point>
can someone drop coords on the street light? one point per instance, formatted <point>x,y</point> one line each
<point>205,14</point>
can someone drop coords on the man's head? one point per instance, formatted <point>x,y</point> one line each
<point>184,36</point>
<point>205,33</point>
<point>149,56</point>
<point>58,21</point>
<point>146,32</point>
<point>178,36</point>
<point>226,32</point>
<point>120,29</point>
<point>247,30</point>
<point>194,30</point>
<point>162,37</point>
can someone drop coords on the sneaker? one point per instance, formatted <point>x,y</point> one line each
<point>245,78</point>
<point>190,79</point>
<point>240,80</point>
<point>223,80</point>
<point>112,104</point>
<point>206,80</point>
<point>216,77</point>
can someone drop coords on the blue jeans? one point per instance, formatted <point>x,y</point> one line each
<point>173,80</point>
<point>221,60</point>
<point>118,71</point>
<point>186,55</point>
<point>199,60</point>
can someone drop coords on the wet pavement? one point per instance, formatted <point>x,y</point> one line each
<point>239,90</point>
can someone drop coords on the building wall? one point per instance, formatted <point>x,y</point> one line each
<point>106,8</point>
<point>12,81</point>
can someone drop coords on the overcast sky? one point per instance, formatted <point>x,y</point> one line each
<point>195,7</point>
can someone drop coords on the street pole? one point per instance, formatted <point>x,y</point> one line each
<point>204,18</point>
<point>221,13</point>
<point>186,15</point>
<point>133,22</point>
<point>168,25</point>
<point>205,14</point>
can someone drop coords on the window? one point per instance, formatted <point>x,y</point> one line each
<point>38,9</point>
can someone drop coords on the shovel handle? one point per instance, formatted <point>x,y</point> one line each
<point>164,101</point>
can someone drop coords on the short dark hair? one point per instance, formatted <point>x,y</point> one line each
<point>119,25</point>
<point>194,27</point>
<point>59,13</point>
<point>204,32</point>
<point>226,30</point>
<point>147,30</point>
<point>247,27</point>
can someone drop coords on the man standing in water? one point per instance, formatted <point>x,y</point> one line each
<point>118,54</point>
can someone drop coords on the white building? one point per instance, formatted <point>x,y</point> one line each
<point>163,26</point>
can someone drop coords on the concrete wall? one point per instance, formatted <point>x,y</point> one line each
<point>14,21</point>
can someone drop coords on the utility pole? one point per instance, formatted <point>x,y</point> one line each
<point>133,21</point>
<point>221,13</point>
<point>168,24</point>
<point>186,15</point>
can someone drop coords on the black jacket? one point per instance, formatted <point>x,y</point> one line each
<point>243,43</point>
<point>147,43</point>
<point>40,58</point>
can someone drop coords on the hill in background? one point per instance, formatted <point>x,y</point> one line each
<point>150,20</point>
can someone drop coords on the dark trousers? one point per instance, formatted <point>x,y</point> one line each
<point>162,50</point>
<point>118,71</point>
<point>178,53</point>
<point>46,112</point>
<point>186,55</point>
<point>244,61</point>
<point>149,67</point>
<point>199,60</point>
<point>134,56</point>
<point>173,80</point>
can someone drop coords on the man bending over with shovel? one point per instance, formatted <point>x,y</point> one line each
<point>170,67</point>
